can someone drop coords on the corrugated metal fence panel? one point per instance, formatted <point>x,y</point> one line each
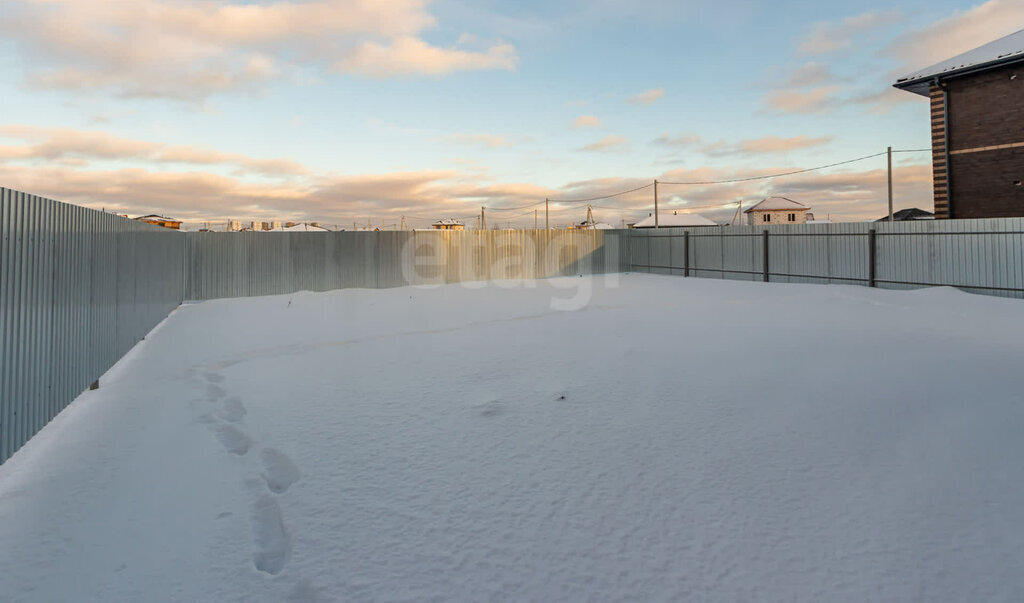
<point>981,256</point>
<point>253,263</point>
<point>78,288</point>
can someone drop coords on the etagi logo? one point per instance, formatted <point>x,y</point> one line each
<point>515,259</point>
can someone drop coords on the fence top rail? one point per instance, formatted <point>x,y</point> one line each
<point>838,234</point>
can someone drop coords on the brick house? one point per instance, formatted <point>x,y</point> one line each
<point>977,116</point>
<point>777,210</point>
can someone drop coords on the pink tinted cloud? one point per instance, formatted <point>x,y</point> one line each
<point>87,145</point>
<point>816,100</point>
<point>647,97</point>
<point>607,143</point>
<point>586,121</point>
<point>167,49</point>
<point>50,163</point>
<point>956,34</point>
<point>829,36</point>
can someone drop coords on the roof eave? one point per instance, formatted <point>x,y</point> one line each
<point>922,85</point>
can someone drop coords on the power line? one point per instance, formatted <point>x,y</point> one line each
<point>632,190</point>
<point>820,167</point>
<point>515,208</point>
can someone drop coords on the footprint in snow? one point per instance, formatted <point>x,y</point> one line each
<point>279,472</point>
<point>493,408</point>
<point>213,377</point>
<point>234,439</point>
<point>272,539</point>
<point>233,410</point>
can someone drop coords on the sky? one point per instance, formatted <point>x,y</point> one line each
<point>364,111</point>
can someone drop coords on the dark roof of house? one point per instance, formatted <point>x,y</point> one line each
<point>911,213</point>
<point>157,217</point>
<point>1005,50</point>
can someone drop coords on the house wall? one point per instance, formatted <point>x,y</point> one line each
<point>778,216</point>
<point>985,139</point>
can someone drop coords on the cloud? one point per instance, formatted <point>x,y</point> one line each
<point>49,144</point>
<point>167,49</point>
<point>829,36</point>
<point>757,146</point>
<point>774,144</point>
<point>647,97</point>
<point>412,56</point>
<point>75,167</point>
<point>807,75</point>
<point>956,34</point>
<point>816,100</point>
<point>676,141</point>
<point>885,100</point>
<point>606,144</point>
<point>846,195</point>
<point>586,121</point>
<point>492,141</point>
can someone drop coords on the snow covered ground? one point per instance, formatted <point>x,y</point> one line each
<point>665,439</point>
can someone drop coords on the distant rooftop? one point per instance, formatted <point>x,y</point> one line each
<point>666,219</point>
<point>776,203</point>
<point>156,217</point>
<point>1005,50</point>
<point>449,222</point>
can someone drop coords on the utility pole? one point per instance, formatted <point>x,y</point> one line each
<point>483,219</point>
<point>535,219</point>
<point>404,227</point>
<point>656,204</point>
<point>890,183</point>
<point>547,216</point>
<point>736,215</point>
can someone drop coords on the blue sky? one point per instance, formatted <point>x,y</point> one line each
<point>343,111</point>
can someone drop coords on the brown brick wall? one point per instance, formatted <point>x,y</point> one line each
<point>984,110</point>
<point>984,184</point>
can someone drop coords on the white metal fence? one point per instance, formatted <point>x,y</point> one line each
<point>981,256</point>
<point>78,288</point>
<point>266,263</point>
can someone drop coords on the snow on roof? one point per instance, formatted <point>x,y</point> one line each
<point>776,203</point>
<point>1007,49</point>
<point>449,222</point>
<point>299,228</point>
<point>666,219</point>
<point>156,217</point>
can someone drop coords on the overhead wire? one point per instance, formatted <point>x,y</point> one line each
<point>581,202</point>
<point>767,176</point>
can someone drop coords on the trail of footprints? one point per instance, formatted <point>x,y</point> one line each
<point>278,473</point>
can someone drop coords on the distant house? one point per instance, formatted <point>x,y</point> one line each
<point>977,112</point>
<point>448,224</point>
<point>160,221</point>
<point>674,219</point>
<point>777,210</point>
<point>300,227</point>
<point>911,213</point>
<point>592,226</point>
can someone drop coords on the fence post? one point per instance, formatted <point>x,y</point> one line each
<point>686,253</point>
<point>764,238</point>
<point>872,258</point>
